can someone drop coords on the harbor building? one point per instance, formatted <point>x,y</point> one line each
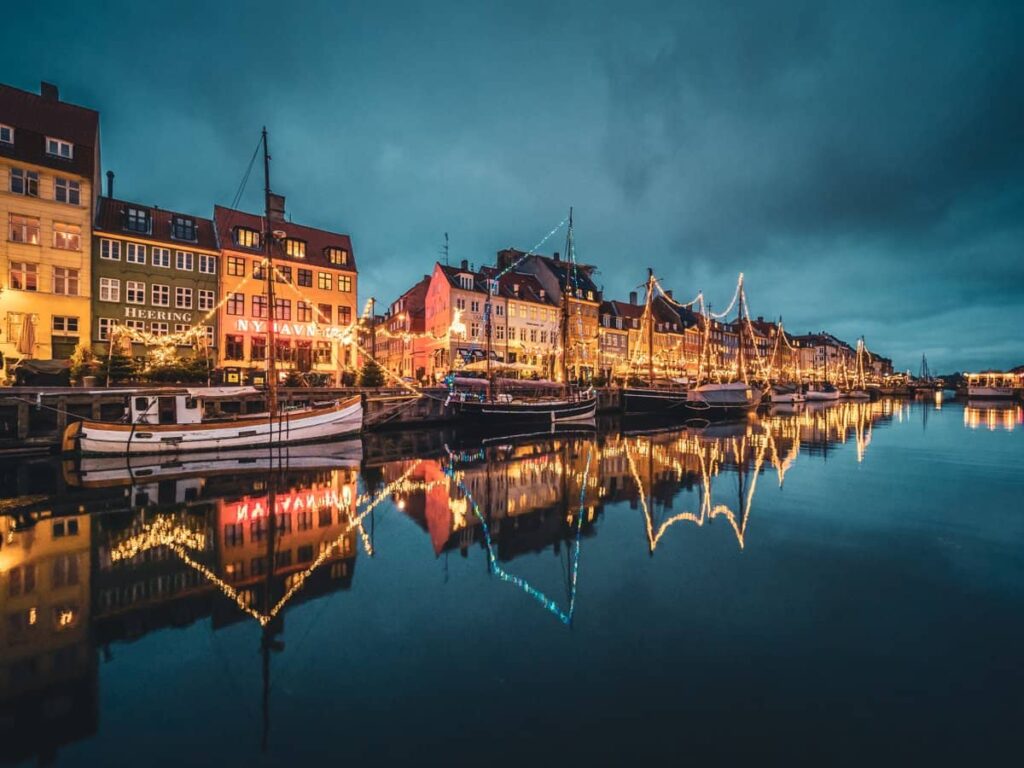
<point>155,273</point>
<point>49,164</point>
<point>314,296</point>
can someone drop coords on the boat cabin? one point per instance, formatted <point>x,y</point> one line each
<point>192,406</point>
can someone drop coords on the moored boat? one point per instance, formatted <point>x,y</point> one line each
<point>786,393</point>
<point>506,408</point>
<point>821,392</point>
<point>991,386</point>
<point>735,398</point>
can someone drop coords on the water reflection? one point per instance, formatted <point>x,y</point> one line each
<point>105,553</point>
<point>993,415</point>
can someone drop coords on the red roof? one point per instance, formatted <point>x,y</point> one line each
<point>317,240</point>
<point>111,216</point>
<point>36,117</point>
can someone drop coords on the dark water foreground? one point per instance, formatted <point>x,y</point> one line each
<point>842,584</point>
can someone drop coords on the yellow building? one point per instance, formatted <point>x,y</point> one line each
<point>49,163</point>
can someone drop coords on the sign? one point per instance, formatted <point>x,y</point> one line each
<point>157,314</point>
<point>296,501</point>
<point>301,330</point>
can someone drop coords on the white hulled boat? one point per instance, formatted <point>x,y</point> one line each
<point>786,393</point>
<point>821,392</point>
<point>991,386</point>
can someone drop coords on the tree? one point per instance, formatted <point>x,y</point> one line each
<point>371,375</point>
<point>117,367</point>
<point>83,362</point>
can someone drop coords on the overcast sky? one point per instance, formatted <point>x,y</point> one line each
<point>862,163</point>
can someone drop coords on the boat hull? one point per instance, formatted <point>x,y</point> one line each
<point>540,412</point>
<point>990,393</point>
<point>722,401</point>
<point>650,400</point>
<point>342,419</point>
<point>787,397</point>
<point>815,396</point>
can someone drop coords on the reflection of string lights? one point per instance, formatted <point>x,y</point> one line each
<point>162,532</point>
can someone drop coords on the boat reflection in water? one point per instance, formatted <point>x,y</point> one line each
<point>993,415</point>
<point>102,553</point>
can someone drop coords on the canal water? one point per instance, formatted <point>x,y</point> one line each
<point>842,584</point>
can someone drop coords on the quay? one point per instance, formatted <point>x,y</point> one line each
<point>33,419</point>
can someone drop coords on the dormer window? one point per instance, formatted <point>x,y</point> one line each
<point>137,220</point>
<point>6,134</point>
<point>60,148</point>
<point>466,282</point>
<point>183,228</point>
<point>247,238</point>
<point>338,256</point>
<point>492,286</point>
<point>295,248</point>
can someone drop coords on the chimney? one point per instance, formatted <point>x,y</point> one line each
<point>110,184</point>
<point>49,91</point>
<point>632,297</point>
<point>276,207</point>
<point>465,265</point>
<point>558,256</point>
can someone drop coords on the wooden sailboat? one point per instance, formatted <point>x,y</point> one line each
<point>784,392</point>
<point>571,404</point>
<point>859,390</point>
<point>823,390</point>
<point>175,422</point>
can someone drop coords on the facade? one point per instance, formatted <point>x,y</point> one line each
<point>454,318</point>
<point>155,273</point>
<point>612,342</point>
<point>526,324</point>
<point>824,357</point>
<point>49,164</point>
<point>315,298</point>
<point>402,347</point>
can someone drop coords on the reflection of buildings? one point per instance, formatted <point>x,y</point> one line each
<point>993,416</point>
<point>48,692</point>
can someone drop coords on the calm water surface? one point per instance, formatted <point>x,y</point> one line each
<point>843,584</point>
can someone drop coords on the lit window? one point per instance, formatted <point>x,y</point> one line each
<point>67,191</point>
<point>282,274</point>
<point>110,249</point>
<point>183,260</point>
<point>235,304</point>
<point>67,237</point>
<point>103,327</point>
<point>282,309</point>
<point>183,298</point>
<point>183,228</point>
<point>135,253</point>
<point>110,289</point>
<point>234,349</point>
<point>64,325</point>
<point>259,271</point>
<point>65,281</point>
<point>24,182</point>
<point>158,329</point>
<point>24,229</point>
<point>247,238</point>
<point>207,264</point>
<point>295,248</point>
<point>206,299</point>
<point>24,276</point>
<point>324,281</point>
<point>259,306</point>
<point>6,134</point>
<point>304,312</point>
<point>337,256</point>
<point>160,295</point>
<point>345,283</point>
<point>236,266</point>
<point>137,220</point>
<point>135,292</point>
<point>59,148</point>
<point>162,257</point>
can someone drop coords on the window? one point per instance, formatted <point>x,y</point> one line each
<point>67,191</point>
<point>305,277</point>
<point>500,332</point>
<point>23,580</point>
<point>65,281</point>
<point>499,310</point>
<point>67,237</point>
<point>322,353</point>
<point>259,271</point>
<point>104,326</point>
<point>110,249</point>
<point>258,348</point>
<point>161,295</point>
<point>64,325</point>
<point>236,266</point>
<point>474,306</point>
<point>135,325</point>
<point>162,257</point>
<point>282,309</point>
<point>59,148</point>
<point>324,281</point>
<point>474,330</point>
<point>135,253</point>
<point>461,304</point>
<point>207,264</point>
<point>183,297</point>
<point>183,228</point>
<point>24,182</point>
<point>304,312</point>
<point>183,260</point>
<point>282,274</point>
<point>180,328</point>
<point>158,329</point>
<point>110,289</point>
<point>323,313</point>
<point>208,329</point>
<point>466,281</point>
<point>137,220</point>
<point>345,315</point>
<point>247,238</point>
<point>234,347</point>
<point>236,304</point>
<point>6,134</point>
<point>345,283</point>
<point>259,306</point>
<point>295,248</point>
<point>206,299</point>
<point>24,229</point>
<point>285,351</point>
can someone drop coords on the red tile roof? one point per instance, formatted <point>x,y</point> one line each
<point>110,218</point>
<point>317,240</point>
<point>35,117</point>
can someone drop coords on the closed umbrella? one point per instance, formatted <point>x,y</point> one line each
<point>27,339</point>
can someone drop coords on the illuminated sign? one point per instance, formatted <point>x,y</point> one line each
<point>308,330</point>
<point>296,501</point>
<point>156,314</point>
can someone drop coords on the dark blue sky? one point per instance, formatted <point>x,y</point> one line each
<point>862,163</point>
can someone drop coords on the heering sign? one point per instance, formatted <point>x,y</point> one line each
<point>156,314</point>
<point>308,330</point>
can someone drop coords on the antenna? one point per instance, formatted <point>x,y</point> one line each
<point>444,249</point>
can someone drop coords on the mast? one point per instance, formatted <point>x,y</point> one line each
<point>487,334</point>
<point>565,305</point>
<point>741,361</point>
<point>650,327</point>
<point>268,237</point>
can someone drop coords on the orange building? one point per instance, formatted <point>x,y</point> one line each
<point>314,297</point>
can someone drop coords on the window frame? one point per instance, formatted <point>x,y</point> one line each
<point>164,290</point>
<point>59,144</point>
<point>113,290</point>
